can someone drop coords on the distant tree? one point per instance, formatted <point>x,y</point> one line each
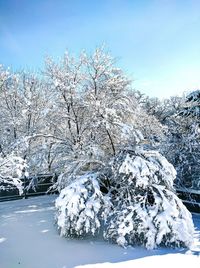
<point>163,109</point>
<point>24,108</point>
<point>193,107</point>
<point>182,146</point>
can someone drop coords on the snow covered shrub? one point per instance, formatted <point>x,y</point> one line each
<point>134,200</point>
<point>12,169</point>
<point>146,210</point>
<point>81,206</point>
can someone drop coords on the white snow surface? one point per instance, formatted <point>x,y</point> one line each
<point>29,239</point>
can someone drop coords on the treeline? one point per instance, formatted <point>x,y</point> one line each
<point>79,112</point>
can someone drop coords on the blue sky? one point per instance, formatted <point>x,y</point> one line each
<point>156,42</point>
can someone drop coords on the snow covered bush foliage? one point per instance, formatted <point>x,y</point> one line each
<point>12,169</point>
<point>132,198</point>
<point>146,210</point>
<point>81,206</point>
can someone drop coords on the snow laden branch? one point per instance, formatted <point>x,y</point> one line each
<point>81,207</point>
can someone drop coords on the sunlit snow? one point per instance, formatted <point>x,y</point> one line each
<point>25,243</point>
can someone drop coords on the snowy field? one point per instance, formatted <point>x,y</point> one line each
<point>29,239</point>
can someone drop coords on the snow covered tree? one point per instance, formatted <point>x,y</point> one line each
<point>24,107</point>
<point>193,107</point>
<point>95,113</point>
<point>182,150</point>
<point>9,110</point>
<point>163,109</point>
<point>107,100</point>
<point>183,141</point>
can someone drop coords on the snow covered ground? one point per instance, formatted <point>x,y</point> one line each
<point>29,239</point>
